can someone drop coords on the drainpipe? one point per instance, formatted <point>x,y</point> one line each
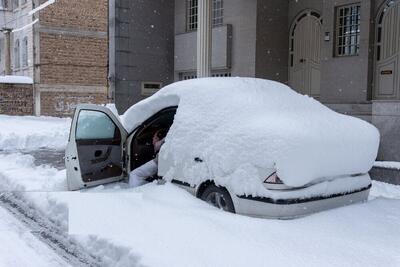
<point>7,51</point>
<point>204,37</point>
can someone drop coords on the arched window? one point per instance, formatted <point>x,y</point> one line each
<point>25,52</point>
<point>16,55</point>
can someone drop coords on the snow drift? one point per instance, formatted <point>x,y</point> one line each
<point>31,133</point>
<point>250,126</point>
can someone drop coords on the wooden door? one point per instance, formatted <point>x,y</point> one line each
<point>388,52</point>
<point>305,54</point>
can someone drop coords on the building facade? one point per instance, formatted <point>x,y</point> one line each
<point>62,47</point>
<point>345,53</point>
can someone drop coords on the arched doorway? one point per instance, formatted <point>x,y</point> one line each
<point>387,53</point>
<point>305,53</point>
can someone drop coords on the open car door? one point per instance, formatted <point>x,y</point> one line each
<point>95,153</point>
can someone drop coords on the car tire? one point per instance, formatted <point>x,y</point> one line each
<point>218,197</point>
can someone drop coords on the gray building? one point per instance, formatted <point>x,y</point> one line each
<point>345,53</point>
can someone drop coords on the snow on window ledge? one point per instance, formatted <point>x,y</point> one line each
<point>16,79</point>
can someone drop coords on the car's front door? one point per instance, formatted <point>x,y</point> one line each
<point>95,150</point>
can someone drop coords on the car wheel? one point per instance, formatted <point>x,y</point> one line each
<point>218,197</point>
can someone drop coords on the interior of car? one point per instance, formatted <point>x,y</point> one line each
<point>142,149</point>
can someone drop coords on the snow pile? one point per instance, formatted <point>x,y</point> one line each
<point>16,79</point>
<point>18,172</point>
<point>167,226</point>
<point>387,164</point>
<point>246,127</point>
<point>381,189</point>
<point>30,133</point>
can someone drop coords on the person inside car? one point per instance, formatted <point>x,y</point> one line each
<point>138,176</point>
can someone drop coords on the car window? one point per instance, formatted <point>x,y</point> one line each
<point>94,125</point>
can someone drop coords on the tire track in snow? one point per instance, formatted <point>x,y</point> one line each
<point>48,232</point>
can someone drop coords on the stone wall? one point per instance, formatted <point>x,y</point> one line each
<point>16,99</point>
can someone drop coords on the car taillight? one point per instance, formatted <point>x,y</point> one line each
<point>273,179</point>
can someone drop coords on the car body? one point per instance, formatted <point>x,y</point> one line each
<point>206,160</point>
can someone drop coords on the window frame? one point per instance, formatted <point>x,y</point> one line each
<point>347,44</point>
<point>25,59</point>
<point>17,58</point>
<point>192,18</point>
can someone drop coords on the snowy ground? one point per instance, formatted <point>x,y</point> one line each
<point>162,225</point>
<point>21,248</point>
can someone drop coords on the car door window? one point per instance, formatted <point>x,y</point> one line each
<point>94,125</point>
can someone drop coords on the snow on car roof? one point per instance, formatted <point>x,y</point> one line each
<point>241,127</point>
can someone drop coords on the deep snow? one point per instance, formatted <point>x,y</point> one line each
<point>165,226</point>
<point>30,133</point>
<point>19,247</point>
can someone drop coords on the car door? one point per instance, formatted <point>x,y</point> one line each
<point>95,153</point>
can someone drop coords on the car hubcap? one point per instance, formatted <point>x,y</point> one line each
<point>217,200</point>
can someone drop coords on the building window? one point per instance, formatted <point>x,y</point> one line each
<point>192,14</point>
<point>192,11</point>
<point>218,12</point>
<point>16,55</point>
<point>149,88</point>
<point>347,30</point>
<point>15,4</point>
<point>4,4</point>
<point>25,52</point>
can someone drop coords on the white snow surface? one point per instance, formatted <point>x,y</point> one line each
<point>244,127</point>
<point>19,247</point>
<point>167,226</point>
<point>30,133</point>
<point>388,164</point>
<point>16,79</point>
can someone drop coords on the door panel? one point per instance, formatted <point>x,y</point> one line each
<point>387,72</point>
<point>95,151</point>
<point>305,51</point>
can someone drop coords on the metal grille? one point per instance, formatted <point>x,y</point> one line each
<point>192,75</point>
<point>192,12</point>
<point>348,30</point>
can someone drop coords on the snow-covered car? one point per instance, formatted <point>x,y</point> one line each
<point>244,145</point>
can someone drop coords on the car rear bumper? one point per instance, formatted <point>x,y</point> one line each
<point>288,208</point>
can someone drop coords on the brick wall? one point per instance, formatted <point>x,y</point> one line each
<point>63,104</point>
<point>16,99</point>
<point>73,55</point>
<point>89,15</point>
<point>73,60</point>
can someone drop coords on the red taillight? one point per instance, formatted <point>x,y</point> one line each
<point>273,179</point>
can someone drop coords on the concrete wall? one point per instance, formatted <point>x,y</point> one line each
<point>272,40</point>
<point>144,47</point>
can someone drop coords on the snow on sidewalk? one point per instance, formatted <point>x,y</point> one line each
<point>30,133</point>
